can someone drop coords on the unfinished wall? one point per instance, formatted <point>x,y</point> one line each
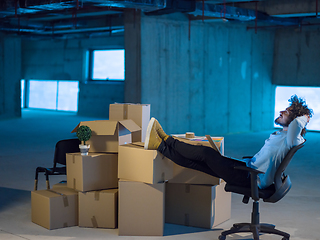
<point>217,81</point>
<point>10,75</point>
<point>66,60</point>
<point>296,59</point>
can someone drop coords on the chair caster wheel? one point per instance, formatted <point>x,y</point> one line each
<point>221,237</point>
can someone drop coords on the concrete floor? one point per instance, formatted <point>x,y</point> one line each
<point>29,142</point>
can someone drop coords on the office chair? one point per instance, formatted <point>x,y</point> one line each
<point>272,194</point>
<point>61,149</point>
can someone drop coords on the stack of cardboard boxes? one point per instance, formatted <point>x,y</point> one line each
<point>120,184</point>
<point>194,198</point>
<point>90,197</point>
<point>142,175</point>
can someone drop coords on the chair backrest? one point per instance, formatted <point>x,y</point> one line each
<point>285,162</point>
<point>62,148</point>
<point>282,182</point>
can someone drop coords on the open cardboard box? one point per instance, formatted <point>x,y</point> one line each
<point>139,113</point>
<point>217,143</point>
<point>108,135</point>
<point>191,176</point>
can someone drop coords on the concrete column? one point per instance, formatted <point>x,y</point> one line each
<point>132,41</point>
<point>216,80</point>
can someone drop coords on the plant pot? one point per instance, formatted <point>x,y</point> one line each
<point>84,149</point>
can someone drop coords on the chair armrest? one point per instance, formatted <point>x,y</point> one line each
<point>248,169</point>
<point>253,180</point>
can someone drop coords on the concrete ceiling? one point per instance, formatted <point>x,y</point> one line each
<point>62,18</point>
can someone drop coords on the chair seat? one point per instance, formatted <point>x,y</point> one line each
<point>53,171</point>
<point>58,171</point>
<point>246,191</point>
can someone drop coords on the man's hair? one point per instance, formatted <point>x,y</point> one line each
<point>298,107</point>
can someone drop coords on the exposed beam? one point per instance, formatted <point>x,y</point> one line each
<point>237,13</point>
<point>284,8</point>
<point>221,11</point>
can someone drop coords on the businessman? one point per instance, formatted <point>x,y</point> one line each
<point>293,121</point>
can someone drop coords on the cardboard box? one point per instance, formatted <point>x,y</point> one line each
<point>139,113</point>
<point>191,176</point>
<point>201,206</point>
<point>141,209</point>
<point>95,171</point>
<point>98,209</point>
<point>108,135</point>
<point>62,184</point>
<point>148,166</point>
<point>54,209</point>
<point>218,141</point>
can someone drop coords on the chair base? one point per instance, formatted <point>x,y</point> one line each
<point>255,229</point>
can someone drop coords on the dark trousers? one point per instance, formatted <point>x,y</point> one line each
<point>204,159</point>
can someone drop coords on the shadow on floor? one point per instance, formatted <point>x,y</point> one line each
<point>10,197</point>
<point>173,229</point>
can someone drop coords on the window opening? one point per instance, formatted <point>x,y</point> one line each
<point>50,94</point>
<point>107,65</point>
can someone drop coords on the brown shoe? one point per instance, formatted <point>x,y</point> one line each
<point>152,140</point>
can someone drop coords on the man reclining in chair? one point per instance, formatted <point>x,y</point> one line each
<point>293,121</point>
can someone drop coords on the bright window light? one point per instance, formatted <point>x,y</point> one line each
<point>42,94</point>
<point>22,83</point>
<point>108,65</point>
<point>68,95</point>
<point>310,94</point>
<point>53,95</point>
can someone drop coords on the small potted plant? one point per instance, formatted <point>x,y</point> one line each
<point>84,134</point>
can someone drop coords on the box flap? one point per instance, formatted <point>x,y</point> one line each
<point>140,144</point>
<point>141,104</point>
<point>130,125</point>
<point>99,127</point>
<point>213,145</point>
<point>75,129</point>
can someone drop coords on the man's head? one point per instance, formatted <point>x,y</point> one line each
<point>297,107</point>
